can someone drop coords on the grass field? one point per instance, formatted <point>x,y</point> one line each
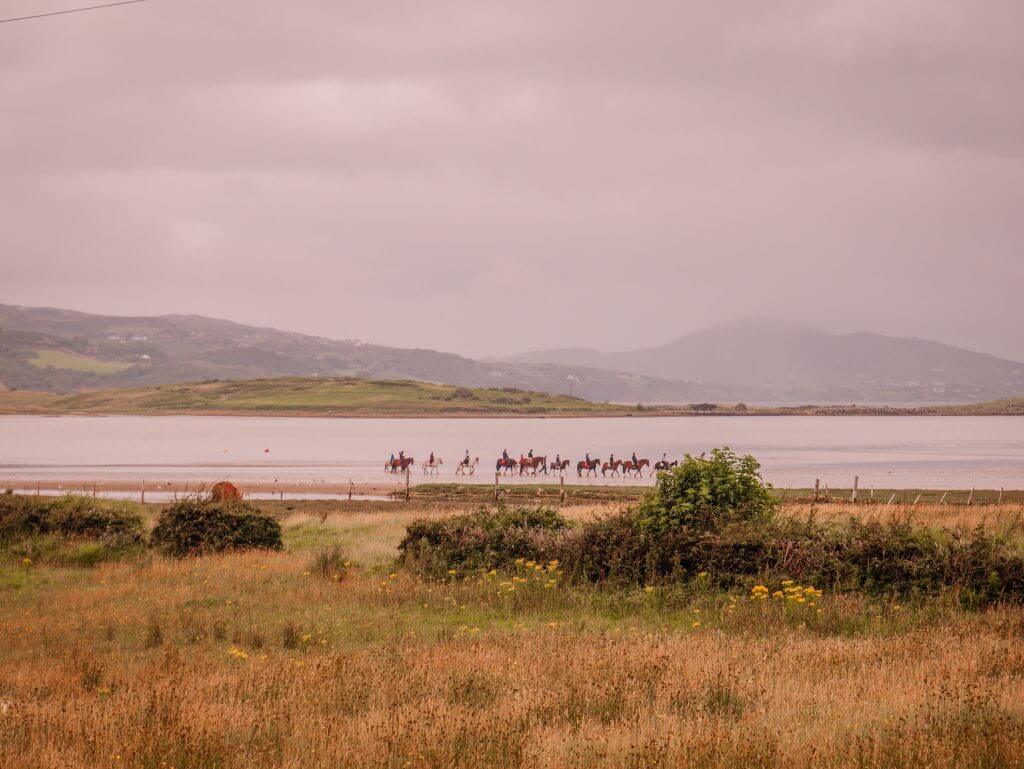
<point>252,660</point>
<point>307,395</point>
<point>72,362</point>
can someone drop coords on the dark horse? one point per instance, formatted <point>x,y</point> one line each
<point>662,464</point>
<point>592,467</point>
<point>397,465</point>
<point>557,467</point>
<point>508,465</point>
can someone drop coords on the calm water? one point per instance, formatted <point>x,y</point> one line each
<point>897,452</point>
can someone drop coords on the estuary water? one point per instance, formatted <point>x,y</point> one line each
<point>886,452</point>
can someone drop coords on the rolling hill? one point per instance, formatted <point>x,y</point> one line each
<point>62,351</point>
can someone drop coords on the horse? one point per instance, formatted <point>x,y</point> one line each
<point>532,463</point>
<point>506,465</point>
<point>663,464</point>
<point>557,467</point>
<point>431,468</point>
<point>628,468</point>
<point>613,466</point>
<point>467,468</point>
<point>397,465</point>
<point>590,468</point>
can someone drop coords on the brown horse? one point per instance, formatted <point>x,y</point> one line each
<point>613,466</point>
<point>590,468</point>
<point>661,464</point>
<point>397,465</point>
<point>531,465</point>
<point>505,465</point>
<point>557,467</point>
<point>628,468</point>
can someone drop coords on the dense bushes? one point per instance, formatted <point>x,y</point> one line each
<point>196,527</point>
<point>714,517</point>
<point>482,540</point>
<point>68,530</point>
<point>708,493</point>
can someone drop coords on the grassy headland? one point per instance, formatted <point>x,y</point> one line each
<point>354,397</point>
<point>313,396</point>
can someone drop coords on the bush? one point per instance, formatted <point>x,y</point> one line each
<point>484,539</point>
<point>196,527</point>
<point>69,530</point>
<point>707,493</point>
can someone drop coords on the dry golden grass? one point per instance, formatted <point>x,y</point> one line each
<point>250,661</point>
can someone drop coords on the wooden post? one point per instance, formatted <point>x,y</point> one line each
<point>891,498</point>
<point>37,489</point>
<point>407,474</point>
<point>349,489</point>
<point>917,500</point>
<point>561,489</point>
<point>280,495</point>
<point>871,494</point>
<point>817,485</point>
<point>1000,496</point>
<point>142,498</point>
<point>497,475</point>
<point>970,497</point>
<point>856,482</point>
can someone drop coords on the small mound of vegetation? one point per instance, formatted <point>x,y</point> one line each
<point>197,527</point>
<point>69,530</point>
<point>715,518</point>
<point>330,563</point>
<point>484,539</point>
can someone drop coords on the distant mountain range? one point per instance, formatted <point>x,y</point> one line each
<point>58,350</point>
<point>776,362</point>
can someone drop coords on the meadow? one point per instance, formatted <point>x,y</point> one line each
<point>264,660</point>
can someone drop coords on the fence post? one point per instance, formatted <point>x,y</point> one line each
<point>561,489</point>
<point>37,489</point>
<point>349,489</point>
<point>856,482</point>
<point>943,500</point>
<point>970,497</point>
<point>891,498</point>
<point>1000,496</point>
<point>817,485</point>
<point>497,475</point>
<point>917,500</point>
<point>142,498</point>
<point>407,484</point>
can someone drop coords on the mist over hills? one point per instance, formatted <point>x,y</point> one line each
<point>783,362</point>
<point>59,350</point>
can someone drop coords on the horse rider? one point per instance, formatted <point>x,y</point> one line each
<point>465,459</point>
<point>587,460</point>
<point>504,454</point>
<point>558,461</point>
<point>391,462</point>
<point>634,459</point>
<point>401,458</point>
<point>529,454</point>
<point>611,459</point>
<point>431,462</point>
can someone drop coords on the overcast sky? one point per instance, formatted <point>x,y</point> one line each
<point>488,178</point>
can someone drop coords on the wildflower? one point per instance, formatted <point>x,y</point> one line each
<point>27,561</point>
<point>759,590</point>
<point>649,589</point>
<point>778,594</point>
<point>702,575</point>
<point>453,571</point>
<point>695,624</point>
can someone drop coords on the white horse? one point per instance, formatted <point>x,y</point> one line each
<point>467,469</point>
<point>431,468</point>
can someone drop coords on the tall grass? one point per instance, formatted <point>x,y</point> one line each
<point>254,660</point>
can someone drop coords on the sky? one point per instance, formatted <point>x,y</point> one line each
<point>488,178</point>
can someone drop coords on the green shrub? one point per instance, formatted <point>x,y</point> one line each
<point>707,493</point>
<point>195,527</point>
<point>483,539</point>
<point>69,530</point>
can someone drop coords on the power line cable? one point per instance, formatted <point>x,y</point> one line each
<point>70,10</point>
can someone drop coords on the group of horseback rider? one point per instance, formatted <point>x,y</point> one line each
<point>530,464</point>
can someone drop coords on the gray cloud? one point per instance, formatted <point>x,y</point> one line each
<point>573,173</point>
